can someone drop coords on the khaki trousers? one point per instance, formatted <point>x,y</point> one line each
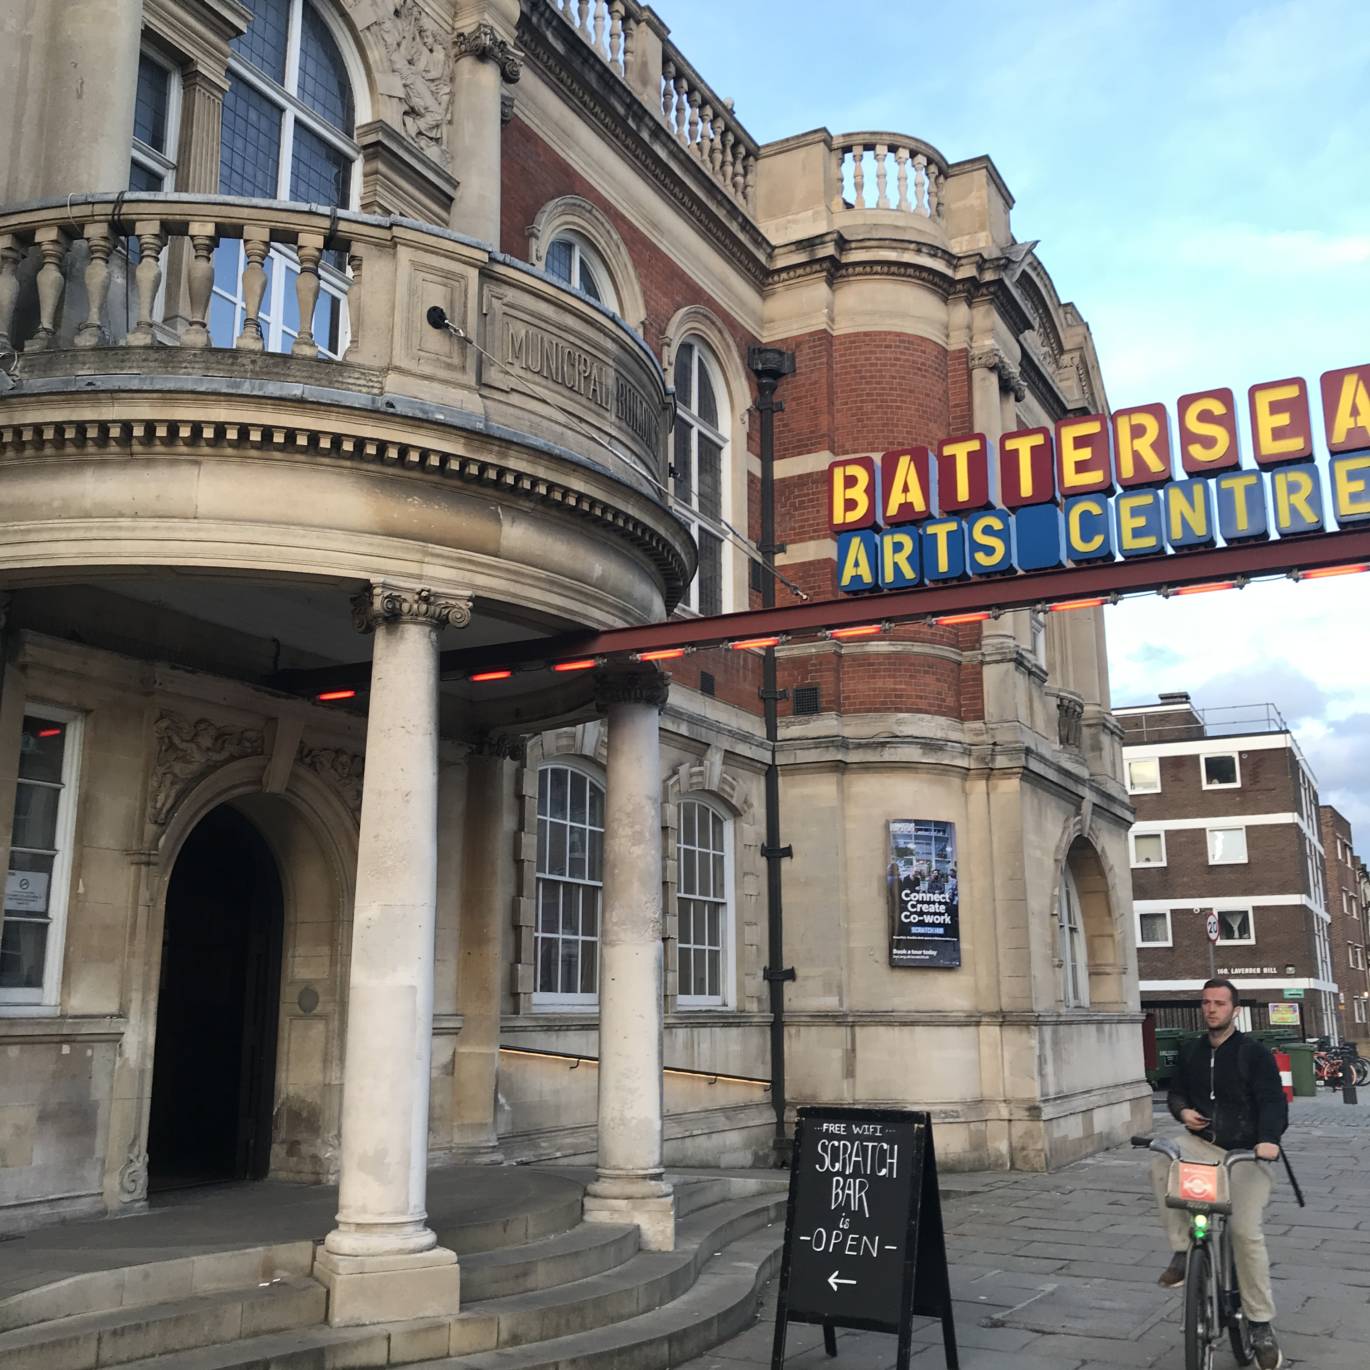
<point>1251,1185</point>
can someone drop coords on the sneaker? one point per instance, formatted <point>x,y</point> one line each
<point>1267,1349</point>
<point>1173,1274</point>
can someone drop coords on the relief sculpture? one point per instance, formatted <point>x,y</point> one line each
<point>187,750</point>
<point>420,60</point>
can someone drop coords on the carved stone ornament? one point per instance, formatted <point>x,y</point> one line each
<point>626,685</point>
<point>485,44</point>
<point>188,750</point>
<point>133,1175</point>
<point>992,359</point>
<point>340,770</point>
<point>504,746</point>
<point>423,67</point>
<point>398,604</point>
<point>1070,713</point>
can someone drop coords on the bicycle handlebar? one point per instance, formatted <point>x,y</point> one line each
<point>1166,1147</point>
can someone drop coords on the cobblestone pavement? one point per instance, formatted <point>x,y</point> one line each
<point>1058,1272</point>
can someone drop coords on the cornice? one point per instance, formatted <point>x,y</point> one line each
<point>584,80</point>
<point>132,436</point>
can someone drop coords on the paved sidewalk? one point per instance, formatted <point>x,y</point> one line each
<point>1058,1272</point>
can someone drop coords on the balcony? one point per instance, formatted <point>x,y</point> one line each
<point>212,384</point>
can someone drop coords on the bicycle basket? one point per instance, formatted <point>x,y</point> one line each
<point>1198,1187</point>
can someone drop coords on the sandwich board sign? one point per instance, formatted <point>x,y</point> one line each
<point>864,1246</point>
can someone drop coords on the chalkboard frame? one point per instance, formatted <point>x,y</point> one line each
<point>926,1282</point>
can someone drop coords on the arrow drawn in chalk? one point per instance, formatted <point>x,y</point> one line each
<point>834,1281</point>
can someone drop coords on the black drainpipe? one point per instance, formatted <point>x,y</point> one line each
<point>770,365</point>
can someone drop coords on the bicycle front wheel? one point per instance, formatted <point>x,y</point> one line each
<point>1362,1071</point>
<point>1198,1309</point>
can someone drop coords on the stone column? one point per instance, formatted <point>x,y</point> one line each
<point>487,896</point>
<point>88,127</point>
<point>629,1186</point>
<point>382,1262</point>
<point>484,59</point>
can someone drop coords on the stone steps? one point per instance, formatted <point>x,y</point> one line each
<point>639,1311</point>
<point>718,1305</point>
<point>589,1249</point>
<point>646,1282</point>
<point>125,1336</point>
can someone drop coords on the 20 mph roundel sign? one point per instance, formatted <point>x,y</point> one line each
<point>1211,926</point>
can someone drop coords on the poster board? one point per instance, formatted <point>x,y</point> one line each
<point>923,894</point>
<point>864,1246</point>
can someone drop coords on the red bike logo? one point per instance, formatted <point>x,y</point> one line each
<point>1199,1182</point>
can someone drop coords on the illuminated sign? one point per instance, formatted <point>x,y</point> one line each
<point>1098,487</point>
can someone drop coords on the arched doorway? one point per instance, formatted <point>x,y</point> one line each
<point>214,1068</point>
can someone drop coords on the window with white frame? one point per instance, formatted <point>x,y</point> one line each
<point>1148,849</point>
<point>1070,944</point>
<point>1153,928</point>
<point>156,110</point>
<point>699,450</point>
<point>39,875</point>
<point>1235,926</point>
<point>288,119</point>
<point>1359,1008</point>
<point>1356,952</point>
<point>1144,775</point>
<point>1226,846</point>
<point>571,259</point>
<point>1221,771</point>
<point>1350,906</point>
<point>702,906</point>
<point>570,878</point>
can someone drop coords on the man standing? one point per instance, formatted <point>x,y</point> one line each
<point>1226,1091</point>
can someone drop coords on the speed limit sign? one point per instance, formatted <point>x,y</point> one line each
<point>1211,924</point>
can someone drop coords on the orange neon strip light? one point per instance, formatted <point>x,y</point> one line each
<point>1075,604</point>
<point>753,642</point>
<point>865,630</point>
<point>1322,572</point>
<point>490,675</point>
<point>331,696</point>
<point>662,654</point>
<point>1206,589</point>
<point>588,664</point>
<point>49,732</point>
<point>950,620</point>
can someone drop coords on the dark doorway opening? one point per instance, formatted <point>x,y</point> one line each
<point>214,1069</point>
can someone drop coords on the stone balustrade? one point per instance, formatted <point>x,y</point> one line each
<point>633,44</point>
<point>87,281</point>
<point>706,126</point>
<point>887,171</point>
<point>609,26</point>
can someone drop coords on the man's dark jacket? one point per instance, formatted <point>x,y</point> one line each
<point>1237,1088</point>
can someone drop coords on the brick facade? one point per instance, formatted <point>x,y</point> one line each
<point>1275,892</point>
<point>1348,936</point>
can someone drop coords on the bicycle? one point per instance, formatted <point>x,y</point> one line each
<point>1330,1062</point>
<point>1212,1300</point>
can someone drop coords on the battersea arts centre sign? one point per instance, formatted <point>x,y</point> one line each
<point>1099,487</point>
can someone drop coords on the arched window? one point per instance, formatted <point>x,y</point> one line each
<point>699,449</point>
<point>570,876</point>
<point>288,120</point>
<point>571,259</point>
<point>703,906</point>
<point>1070,945</point>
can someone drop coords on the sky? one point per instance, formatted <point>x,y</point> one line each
<point>1199,177</point>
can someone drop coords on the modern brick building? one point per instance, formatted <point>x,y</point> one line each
<point>1227,824</point>
<point>229,434</point>
<point>1346,904</point>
